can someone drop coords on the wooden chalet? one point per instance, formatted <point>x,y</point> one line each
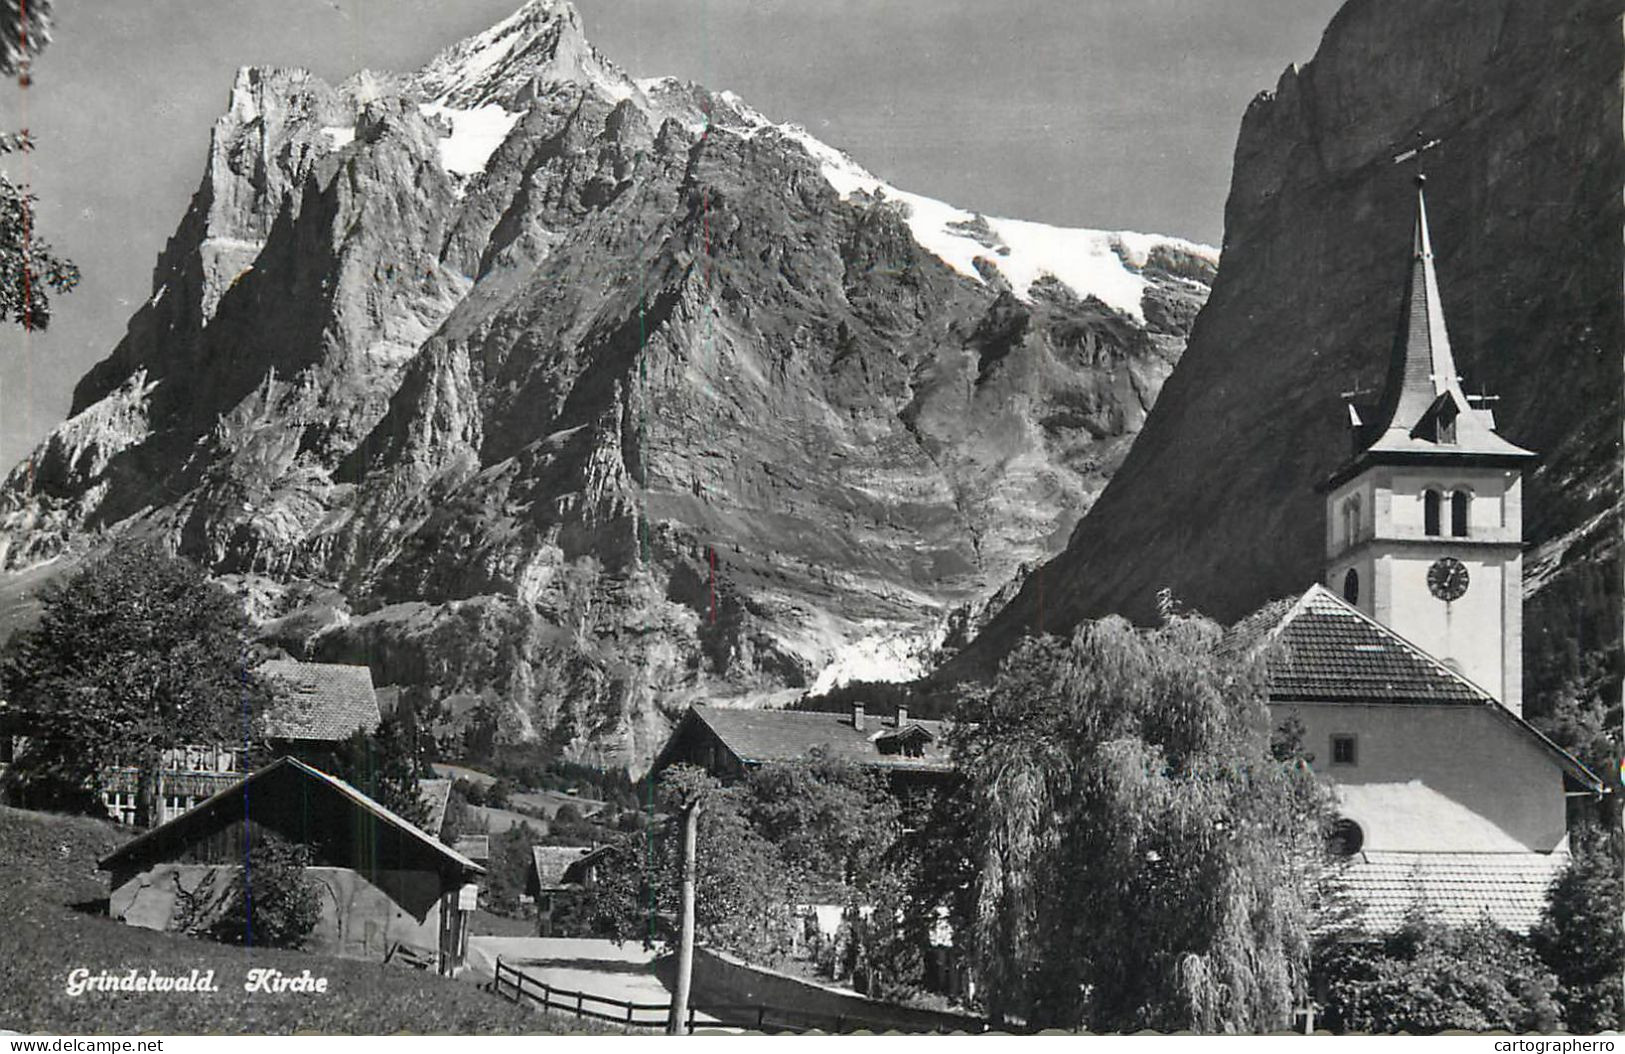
<point>557,874</point>
<point>728,743</point>
<point>315,706</point>
<point>387,884</point>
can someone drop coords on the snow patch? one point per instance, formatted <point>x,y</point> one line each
<point>885,657</point>
<point>475,135</point>
<point>339,136</point>
<point>1089,262</point>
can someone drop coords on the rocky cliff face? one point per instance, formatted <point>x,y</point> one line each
<point>574,397</point>
<point>1215,500</point>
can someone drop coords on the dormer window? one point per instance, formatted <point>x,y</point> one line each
<point>1430,513</point>
<point>1444,425</point>
<point>907,742</point>
<point>1460,502</point>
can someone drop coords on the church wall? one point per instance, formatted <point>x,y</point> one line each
<point>1437,778</point>
<point>1467,631</point>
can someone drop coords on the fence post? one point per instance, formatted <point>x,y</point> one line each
<point>761,1015</point>
<point>629,1013</point>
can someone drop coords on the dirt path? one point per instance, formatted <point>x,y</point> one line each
<point>576,964</point>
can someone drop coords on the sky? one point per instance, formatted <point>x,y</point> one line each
<point>1117,114</point>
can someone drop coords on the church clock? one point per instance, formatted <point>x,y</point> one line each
<point>1447,578</point>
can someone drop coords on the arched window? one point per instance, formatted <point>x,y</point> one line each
<point>1351,586</point>
<point>1460,501</point>
<point>1430,512</point>
<point>1351,520</point>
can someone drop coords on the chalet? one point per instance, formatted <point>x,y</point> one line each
<point>386,884</point>
<point>1404,668</point>
<point>728,743</point>
<point>315,706</point>
<point>557,874</point>
<point>477,847</point>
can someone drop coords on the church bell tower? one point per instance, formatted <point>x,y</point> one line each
<point>1424,524</point>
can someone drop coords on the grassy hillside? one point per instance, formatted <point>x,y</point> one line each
<point>50,899</point>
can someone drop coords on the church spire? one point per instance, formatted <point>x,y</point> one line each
<point>1422,369</point>
<point>1423,413</point>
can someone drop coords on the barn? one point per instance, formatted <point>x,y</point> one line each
<point>387,886</point>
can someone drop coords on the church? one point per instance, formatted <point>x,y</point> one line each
<point>1404,667</point>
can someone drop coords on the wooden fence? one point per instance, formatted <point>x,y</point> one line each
<point>512,983</point>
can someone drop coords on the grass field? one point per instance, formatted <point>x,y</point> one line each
<point>50,899</point>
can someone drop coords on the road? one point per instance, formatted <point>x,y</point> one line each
<point>576,964</point>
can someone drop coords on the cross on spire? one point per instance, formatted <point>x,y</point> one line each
<point>1422,146</point>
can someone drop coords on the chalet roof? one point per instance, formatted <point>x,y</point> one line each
<point>436,795</point>
<point>1422,382</point>
<point>1452,888</point>
<point>474,846</point>
<point>550,862</point>
<point>1322,649</point>
<point>761,736</point>
<point>318,700</point>
<point>267,784</point>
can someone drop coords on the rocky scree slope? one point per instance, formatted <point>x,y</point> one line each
<point>563,398</point>
<point>1216,499</point>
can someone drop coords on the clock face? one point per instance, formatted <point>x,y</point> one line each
<point>1447,578</point>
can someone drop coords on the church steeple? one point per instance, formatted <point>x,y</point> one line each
<point>1424,414</point>
<point>1422,369</point>
<point>1424,523</point>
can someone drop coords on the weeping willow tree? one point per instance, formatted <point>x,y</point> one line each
<point>1146,858</point>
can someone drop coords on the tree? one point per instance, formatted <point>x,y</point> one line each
<point>1142,860</point>
<point>29,270</point>
<point>136,654</point>
<point>831,819</point>
<point>385,765</point>
<point>272,902</point>
<point>510,862</point>
<point>742,902</point>
<point>1581,937</point>
<point>1428,977</point>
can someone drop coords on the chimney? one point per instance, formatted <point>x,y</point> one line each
<point>902,716</point>
<point>857,716</point>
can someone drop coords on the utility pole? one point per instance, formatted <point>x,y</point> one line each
<point>678,1025</point>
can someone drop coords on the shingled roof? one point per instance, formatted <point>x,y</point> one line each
<point>549,863</point>
<point>319,700</point>
<point>1327,650</point>
<point>1322,649</point>
<point>389,838</point>
<point>1451,888</point>
<point>761,736</point>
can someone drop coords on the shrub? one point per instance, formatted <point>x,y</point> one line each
<point>271,902</point>
<point>1429,977</point>
<point>1581,938</point>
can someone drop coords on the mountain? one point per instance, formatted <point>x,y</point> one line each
<point>563,398</point>
<point>1216,501</point>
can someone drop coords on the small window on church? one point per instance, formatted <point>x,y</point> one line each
<point>1343,752</point>
<point>1460,501</point>
<point>1351,586</point>
<point>1430,512</point>
<point>1446,425</point>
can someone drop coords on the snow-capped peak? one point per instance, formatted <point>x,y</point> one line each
<point>1103,264</point>
<point>541,41</point>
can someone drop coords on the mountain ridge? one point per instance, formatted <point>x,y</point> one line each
<point>563,398</point>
